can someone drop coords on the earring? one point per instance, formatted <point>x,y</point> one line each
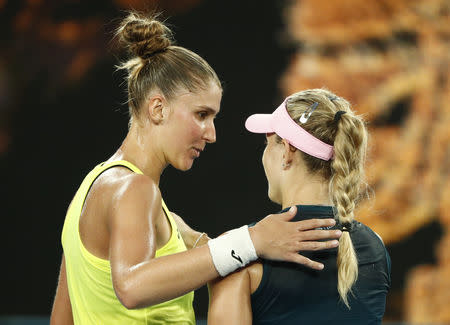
<point>285,165</point>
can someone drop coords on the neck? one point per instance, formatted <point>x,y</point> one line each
<point>142,152</point>
<point>304,189</point>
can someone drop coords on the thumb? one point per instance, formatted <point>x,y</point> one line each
<point>288,215</point>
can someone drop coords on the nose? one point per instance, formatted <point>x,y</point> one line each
<point>210,133</point>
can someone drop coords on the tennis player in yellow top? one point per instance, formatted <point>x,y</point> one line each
<point>128,259</point>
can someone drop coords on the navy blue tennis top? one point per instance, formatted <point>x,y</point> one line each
<point>294,294</point>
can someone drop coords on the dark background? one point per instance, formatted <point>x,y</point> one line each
<point>58,131</point>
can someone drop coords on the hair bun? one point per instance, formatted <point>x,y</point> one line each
<point>144,36</point>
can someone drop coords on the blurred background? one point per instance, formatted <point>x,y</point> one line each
<point>62,111</point>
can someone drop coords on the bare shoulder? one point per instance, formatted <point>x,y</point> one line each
<point>255,271</point>
<point>230,301</point>
<point>118,199</point>
<point>121,181</point>
<point>249,276</point>
<point>233,282</point>
<point>133,184</point>
<point>120,190</point>
<point>133,190</point>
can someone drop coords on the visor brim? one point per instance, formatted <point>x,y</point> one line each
<point>259,123</point>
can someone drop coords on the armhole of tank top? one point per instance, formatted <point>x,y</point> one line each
<point>96,261</point>
<point>64,230</point>
<point>264,279</point>
<point>173,224</point>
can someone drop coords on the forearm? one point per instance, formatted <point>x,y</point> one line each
<point>161,279</point>
<point>62,309</point>
<point>164,278</point>
<point>140,280</point>
<point>61,315</point>
<point>188,234</point>
<point>195,239</point>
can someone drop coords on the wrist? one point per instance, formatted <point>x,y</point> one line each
<point>254,236</point>
<point>233,250</point>
<point>202,239</point>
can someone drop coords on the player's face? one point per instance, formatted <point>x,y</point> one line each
<point>272,162</point>
<point>191,125</point>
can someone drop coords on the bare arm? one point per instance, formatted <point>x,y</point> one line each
<point>140,279</point>
<point>62,309</point>
<point>189,235</point>
<point>229,300</point>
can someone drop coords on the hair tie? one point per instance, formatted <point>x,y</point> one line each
<point>345,226</point>
<point>149,55</point>
<point>338,115</point>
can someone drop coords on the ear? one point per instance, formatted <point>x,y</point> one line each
<point>157,108</point>
<point>288,154</point>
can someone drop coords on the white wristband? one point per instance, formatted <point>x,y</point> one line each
<point>233,250</point>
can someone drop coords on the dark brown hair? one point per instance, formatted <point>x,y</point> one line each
<point>156,63</point>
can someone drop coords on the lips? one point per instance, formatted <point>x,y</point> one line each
<point>197,152</point>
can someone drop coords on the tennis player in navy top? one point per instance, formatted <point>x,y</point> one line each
<point>314,159</point>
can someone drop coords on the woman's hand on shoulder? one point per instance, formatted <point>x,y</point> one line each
<point>277,238</point>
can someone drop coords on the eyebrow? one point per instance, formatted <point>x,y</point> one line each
<point>209,109</point>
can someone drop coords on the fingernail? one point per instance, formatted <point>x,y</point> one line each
<point>321,266</point>
<point>333,222</point>
<point>292,209</point>
<point>338,233</point>
<point>335,243</point>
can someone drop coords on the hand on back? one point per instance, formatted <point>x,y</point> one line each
<point>277,238</point>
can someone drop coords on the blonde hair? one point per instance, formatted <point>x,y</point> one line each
<point>345,172</point>
<point>156,63</point>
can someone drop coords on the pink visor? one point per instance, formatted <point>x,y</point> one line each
<point>281,123</point>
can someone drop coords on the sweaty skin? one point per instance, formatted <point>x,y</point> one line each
<point>123,221</point>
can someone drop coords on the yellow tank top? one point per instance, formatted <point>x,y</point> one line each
<point>89,278</point>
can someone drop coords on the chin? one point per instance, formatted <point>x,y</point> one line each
<point>184,165</point>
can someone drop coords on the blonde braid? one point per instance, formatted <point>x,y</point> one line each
<point>345,172</point>
<point>345,184</point>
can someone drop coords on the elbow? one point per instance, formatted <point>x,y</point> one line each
<point>131,296</point>
<point>126,295</point>
<point>128,302</point>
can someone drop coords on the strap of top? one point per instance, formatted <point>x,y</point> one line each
<point>106,165</point>
<point>124,163</point>
<point>99,169</point>
<point>96,172</point>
